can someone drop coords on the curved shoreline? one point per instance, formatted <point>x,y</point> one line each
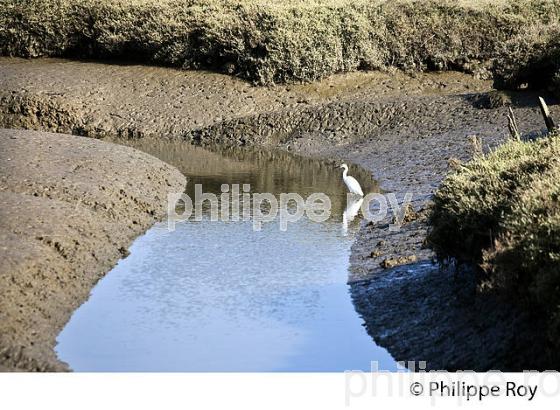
<point>71,207</point>
<point>403,129</point>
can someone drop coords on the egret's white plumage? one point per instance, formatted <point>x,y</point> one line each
<point>353,185</point>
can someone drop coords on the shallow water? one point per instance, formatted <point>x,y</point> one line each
<point>219,296</point>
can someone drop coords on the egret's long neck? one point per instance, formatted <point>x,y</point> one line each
<point>345,173</point>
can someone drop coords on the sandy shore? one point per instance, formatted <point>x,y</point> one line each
<point>71,206</point>
<point>403,129</point>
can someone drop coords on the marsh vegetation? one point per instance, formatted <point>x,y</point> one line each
<point>501,213</point>
<point>281,41</point>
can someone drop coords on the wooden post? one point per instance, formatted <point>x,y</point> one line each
<point>512,125</point>
<point>546,115</point>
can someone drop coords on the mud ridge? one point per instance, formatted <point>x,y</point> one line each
<point>71,206</point>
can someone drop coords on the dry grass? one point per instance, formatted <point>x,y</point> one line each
<point>272,41</point>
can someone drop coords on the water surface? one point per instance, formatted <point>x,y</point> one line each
<point>218,296</point>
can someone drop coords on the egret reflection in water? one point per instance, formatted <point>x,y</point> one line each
<point>354,204</point>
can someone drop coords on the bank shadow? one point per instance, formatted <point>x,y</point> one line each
<point>506,98</point>
<point>422,313</point>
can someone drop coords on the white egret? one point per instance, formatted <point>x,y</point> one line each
<point>353,185</point>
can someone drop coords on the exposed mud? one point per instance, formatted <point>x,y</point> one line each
<point>133,101</point>
<point>70,207</point>
<point>404,129</point>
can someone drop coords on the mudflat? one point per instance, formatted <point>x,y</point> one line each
<point>132,101</point>
<point>403,128</point>
<point>70,207</point>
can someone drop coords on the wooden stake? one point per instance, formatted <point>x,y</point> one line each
<point>512,125</point>
<point>546,115</point>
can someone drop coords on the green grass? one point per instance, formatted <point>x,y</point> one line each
<point>272,41</point>
<point>501,212</point>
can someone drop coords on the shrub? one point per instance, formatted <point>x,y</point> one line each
<point>532,58</point>
<point>501,212</point>
<point>526,257</point>
<point>470,204</point>
<point>272,41</point>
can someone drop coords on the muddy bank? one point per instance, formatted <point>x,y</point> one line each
<point>403,129</point>
<point>71,206</point>
<point>132,101</point>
